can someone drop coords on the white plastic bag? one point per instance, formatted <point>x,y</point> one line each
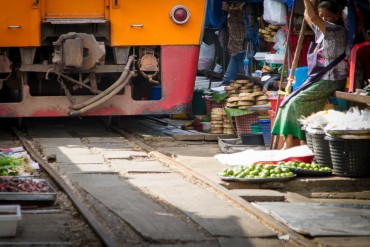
<point>206,56</point>
<point>274,12</point>
<point>280,41</point>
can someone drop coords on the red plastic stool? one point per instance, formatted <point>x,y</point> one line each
<point>359,52</point>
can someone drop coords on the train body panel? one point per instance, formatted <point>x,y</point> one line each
<point>154,25</point>
<point>19,24</point>
<point>98,57</point>
<point>74,9</point>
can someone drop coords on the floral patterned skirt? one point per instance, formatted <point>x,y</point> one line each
<point>305,103</point>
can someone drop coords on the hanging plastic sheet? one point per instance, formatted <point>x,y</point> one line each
<point>214,16</point>
<point>289,3</point>
<point>274,12</point>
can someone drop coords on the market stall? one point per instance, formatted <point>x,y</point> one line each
<point>20,184</point>
<point>277,42</point>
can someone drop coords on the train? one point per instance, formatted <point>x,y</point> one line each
<point>98,57</point>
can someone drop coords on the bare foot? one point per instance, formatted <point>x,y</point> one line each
<point>288,143</point>
<point>287,146</point>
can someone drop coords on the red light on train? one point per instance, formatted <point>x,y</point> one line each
<point>180,14</point>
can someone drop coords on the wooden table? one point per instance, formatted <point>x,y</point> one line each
<point>353,97</point>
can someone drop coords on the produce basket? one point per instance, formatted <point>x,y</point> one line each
<point>350,157</point>
<point>26,189</point>
<point>309,140</point>
<point>256,180</point>
<point>321,150</point>
<point>243,123</point>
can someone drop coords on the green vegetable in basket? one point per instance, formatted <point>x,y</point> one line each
<point>10,166</point>
<point>6,160</point>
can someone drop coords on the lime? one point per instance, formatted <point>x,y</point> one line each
<point>290,174</point>
<point>242,175</point>
<point>267,173</point>
<point>284,169</point>
<point>302,165</point>
<point>328,169</point>
<point>269,167</point>
<point>277,170</point>
<point>230,172</point>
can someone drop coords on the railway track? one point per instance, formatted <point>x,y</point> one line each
<point>85,162</point>
<point>115,190</point>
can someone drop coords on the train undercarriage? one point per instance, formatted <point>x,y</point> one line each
<point>76,73</point>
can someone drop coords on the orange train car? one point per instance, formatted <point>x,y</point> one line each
<point>98,57</point>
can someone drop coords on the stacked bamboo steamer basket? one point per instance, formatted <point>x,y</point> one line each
<point>217,120</point>
<point>246,94</point>
<point>242,94</point>
<point>269,32</point>
<point>227,126</point>
<point>220,124</point>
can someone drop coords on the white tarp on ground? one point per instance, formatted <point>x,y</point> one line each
<point>251,156</point>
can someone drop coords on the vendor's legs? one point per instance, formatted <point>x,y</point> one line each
<point>288,142</point>
<point>235,66</point>
<point>304,104</point>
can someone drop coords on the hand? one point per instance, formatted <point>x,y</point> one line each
<point>225,6</point>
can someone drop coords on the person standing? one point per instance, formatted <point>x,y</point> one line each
<point>326,68</point>
<point>235,46</point>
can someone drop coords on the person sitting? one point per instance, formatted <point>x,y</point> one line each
<point>326,68</point>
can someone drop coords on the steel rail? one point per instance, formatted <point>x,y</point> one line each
<point>268,220</point>
<point>104,236</point>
